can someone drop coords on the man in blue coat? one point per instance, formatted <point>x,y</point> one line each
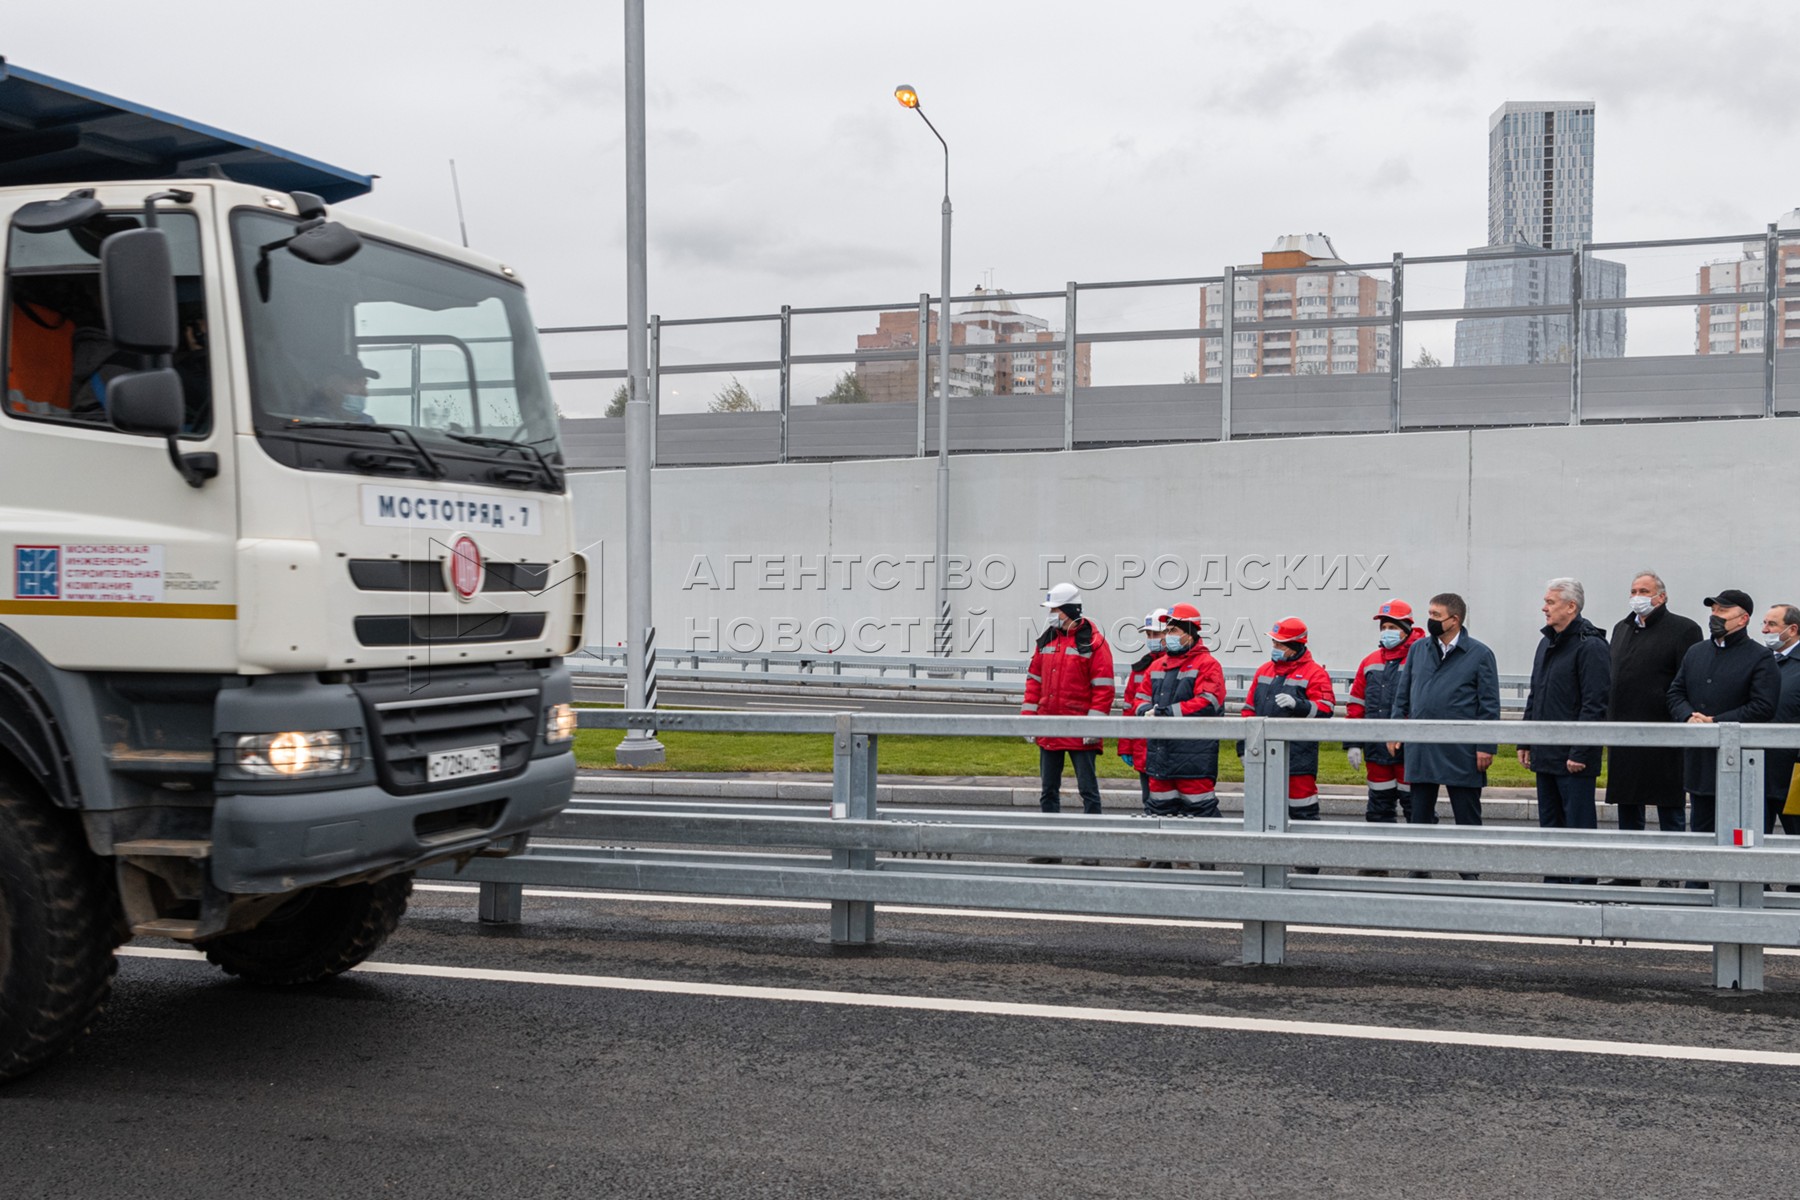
<point>1449,676</point>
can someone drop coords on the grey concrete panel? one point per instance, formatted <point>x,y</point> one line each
<point>1688,385</point>
<point>593,442</point>
<point>990,423</point>
<point>1491,514</point>
<point>1164,412</point>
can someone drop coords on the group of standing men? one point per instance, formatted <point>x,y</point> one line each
<point>1658,667</point>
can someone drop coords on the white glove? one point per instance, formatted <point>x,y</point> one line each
<point>1284,701</point>
<point>1354,754</point>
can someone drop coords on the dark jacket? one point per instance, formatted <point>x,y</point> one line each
<point>1734,682</point>
<point>1570,680</point>
<point>1779,765</point>
<point>1644,661</point>
<point>1463,685</point>
<point>1374,690</point>
<point>1184,685</point>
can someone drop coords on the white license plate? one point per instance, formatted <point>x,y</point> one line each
<point>459,764</point>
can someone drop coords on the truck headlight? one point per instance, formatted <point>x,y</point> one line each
<point>559,723</point>
<point>296,753</point>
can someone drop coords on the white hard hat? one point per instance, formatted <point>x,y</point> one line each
<point>1156,620</point>
<point>1061,594</point>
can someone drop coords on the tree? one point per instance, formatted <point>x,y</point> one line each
<point>734,397</point>
<point>1190,377</point>
<point>616,407</point>
<point>1427,358</point>
<point>847,390</point>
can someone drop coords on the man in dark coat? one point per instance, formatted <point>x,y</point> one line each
<point>1449,677</point>
<point>1728,677</point>
<point>1647,647</point>
<point>1781,634</point>
<point>1569,682</point>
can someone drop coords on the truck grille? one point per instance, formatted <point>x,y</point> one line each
<point>414,714</point>
<point>427,575</point>
<point>451,629</point>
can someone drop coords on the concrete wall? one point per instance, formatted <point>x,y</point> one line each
<point>808,555</point>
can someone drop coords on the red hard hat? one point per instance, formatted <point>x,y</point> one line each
<point>1289,629</point>
<point>1184,612</point>
<point>1395,610</point>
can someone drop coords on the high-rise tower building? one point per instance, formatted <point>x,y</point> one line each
<point>1540,196</point>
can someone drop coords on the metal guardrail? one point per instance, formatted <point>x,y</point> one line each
<point>901,673</point>
<point>1304,397</point>
<point>808,852</point>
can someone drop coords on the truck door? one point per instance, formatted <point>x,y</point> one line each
<point>109,560</point>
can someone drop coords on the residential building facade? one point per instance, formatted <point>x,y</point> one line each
<point>1271,295</point>
<point>993,322</point>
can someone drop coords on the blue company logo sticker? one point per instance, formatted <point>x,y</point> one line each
<point>37,573</point>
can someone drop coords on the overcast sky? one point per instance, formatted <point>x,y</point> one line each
<point>1090,142</point>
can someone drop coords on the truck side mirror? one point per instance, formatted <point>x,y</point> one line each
<point>137,291</point>
<point>324,243</point>
<point>147,402</point>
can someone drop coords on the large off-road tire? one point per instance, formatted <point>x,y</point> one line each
<point>320,933</point>
<point>58,929</point>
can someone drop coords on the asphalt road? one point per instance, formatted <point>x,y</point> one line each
<point>564,1082</point>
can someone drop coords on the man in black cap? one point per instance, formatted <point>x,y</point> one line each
<point>1728,677</point>
<point>343,393</point>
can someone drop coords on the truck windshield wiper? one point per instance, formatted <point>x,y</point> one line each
<point>400,432</point>
<point>527,448</point>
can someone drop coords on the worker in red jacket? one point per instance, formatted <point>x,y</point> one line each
<point>1137,688</point>
<point>1293,684</point>
<point>1071,675</point>
<point>1372,695</point>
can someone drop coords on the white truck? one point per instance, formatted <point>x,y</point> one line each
<point>286,570</point>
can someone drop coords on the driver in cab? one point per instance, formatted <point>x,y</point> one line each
<point>343,391</point>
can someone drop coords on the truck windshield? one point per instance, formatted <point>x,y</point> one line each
<point>393,362</point>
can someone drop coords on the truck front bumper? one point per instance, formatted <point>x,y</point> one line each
<point>266,844</point>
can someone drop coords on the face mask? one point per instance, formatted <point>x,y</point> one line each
<point>1772,640</point>
<point>1641,605</point>
<point>1434,627</point>
<point>1172,643</point>
<point>355,404</point>
<point>1279,654</point>
<point>1391,638</point>
<point>1716,624</point>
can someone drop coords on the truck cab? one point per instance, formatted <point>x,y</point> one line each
<point>286,575</point>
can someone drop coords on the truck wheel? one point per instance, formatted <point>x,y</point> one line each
<point>320,933</point>
<point>58,914</point>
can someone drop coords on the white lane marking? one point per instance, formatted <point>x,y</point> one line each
<point>1088,919</point>
<point>1064,1012</point>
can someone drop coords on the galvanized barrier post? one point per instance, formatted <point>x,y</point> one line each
<point>1737,815</point>
<point>786,378</point>
<point>501,903</point>
<point>1227,355</point>
<point>1069,366</point>
<point>1396,338</point>
<point>1771,338</point>
<point>924,341</point>
<point>1575,333</point>
<point>853,774</point>
<point>1265,811</point>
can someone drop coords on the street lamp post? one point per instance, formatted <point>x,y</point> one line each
<point>908,96</point>
<point>640,747</point>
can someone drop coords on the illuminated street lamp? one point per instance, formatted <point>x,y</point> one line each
<point>908,97</point>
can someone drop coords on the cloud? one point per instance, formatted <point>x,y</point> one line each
<point>1391,173</point>
<point>1376,58</point>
